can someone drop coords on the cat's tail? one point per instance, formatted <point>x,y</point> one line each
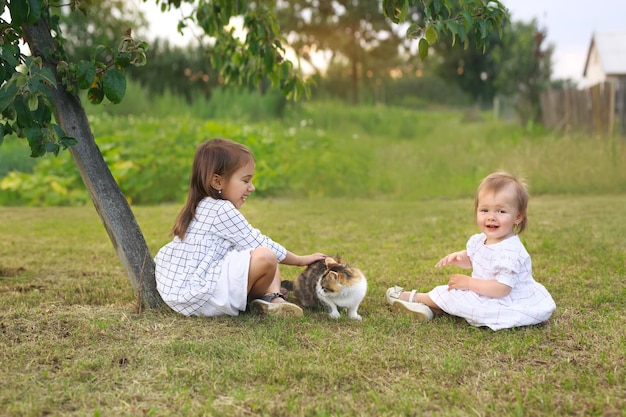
<point>288,285</point>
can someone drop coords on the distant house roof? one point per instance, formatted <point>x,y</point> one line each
<point>611,50</point>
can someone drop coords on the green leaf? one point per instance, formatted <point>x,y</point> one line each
<point>85,74</point>
<point>463,35</point>
<point>431,35</point>
<point>68,141</point>
<point>453,27</point>
<point>10,54</point>
<point>42,114</point>
<point>8,129</point>
<point>422,48</point>
<point>261,33</point>
<point>395,10</point>
<point>57,130</point>
<point>33,102</point>
<point>34,13</point>
<point>52,148</point>
<point>484,30</point>
<point>23,115</point>
<point>468,19</point>
<point>123,58</point>
<point>268,59</point>
<point>19,12</point>
<point>95,95</point>
<point>140,59</point>
<point>8,92</point>
<point>114,84</point>
<point>287,88</point>
<point>9,114</point>
<point>414,31</point>
<point>36,142</point>
<point>45,75</point>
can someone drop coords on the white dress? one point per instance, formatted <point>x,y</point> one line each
<point>206,273</point>
<point>508,262</point>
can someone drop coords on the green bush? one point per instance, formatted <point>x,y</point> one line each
<point>151,160</point>
<point>328,149</point>
<point>14,156</point>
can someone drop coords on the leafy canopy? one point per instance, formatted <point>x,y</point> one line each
<point>26,104</point>
<point>26,81</point>
<point>454,18</point>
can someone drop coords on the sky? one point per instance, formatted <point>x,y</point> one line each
<point>570,24</point>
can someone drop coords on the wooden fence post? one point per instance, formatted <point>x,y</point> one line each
<point>592,110</point>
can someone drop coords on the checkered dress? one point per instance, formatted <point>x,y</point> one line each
<point>206,272</point>
<point>508,262</point>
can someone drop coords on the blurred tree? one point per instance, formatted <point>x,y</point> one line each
<point>516,63</point>
<point>460,21</point>
<point>316,24</point>
<point>96,22</point>
<point>472,69</point>
<point>524,67</point>
<point>355,33</point>
<point>467,65</point>
<point>182,71</point>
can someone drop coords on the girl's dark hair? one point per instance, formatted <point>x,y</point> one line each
<point>499,180</point>
<point>215,156</point>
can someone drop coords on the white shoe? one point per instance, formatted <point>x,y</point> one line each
<point>265,307</point>
<point>418,311</point>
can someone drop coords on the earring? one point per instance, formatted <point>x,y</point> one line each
<point>219,192</point>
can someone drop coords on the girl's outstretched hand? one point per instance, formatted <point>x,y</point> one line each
<point>459,259</point>
<point>298,260</point>
<point>309,259</point>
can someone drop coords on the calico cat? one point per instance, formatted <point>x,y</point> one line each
<point>332,283</point>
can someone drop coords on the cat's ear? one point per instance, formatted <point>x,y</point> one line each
<point>332,275</point>
<point>329,261</point>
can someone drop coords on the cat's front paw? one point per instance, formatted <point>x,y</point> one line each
<point>355,317</point>
<point>334,314</point>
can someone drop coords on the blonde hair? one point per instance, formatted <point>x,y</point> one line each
<point>499,180</point>
<point>215,156</point>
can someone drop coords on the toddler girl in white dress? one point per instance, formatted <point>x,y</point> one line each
<point>501,292</point>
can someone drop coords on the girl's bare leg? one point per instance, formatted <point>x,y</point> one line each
<point>420,297</point>
<point>264,274</point>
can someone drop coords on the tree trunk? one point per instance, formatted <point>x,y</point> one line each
<point>354,61</point>
<point>115,212</point>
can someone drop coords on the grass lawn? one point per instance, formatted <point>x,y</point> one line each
<point>72,342</point>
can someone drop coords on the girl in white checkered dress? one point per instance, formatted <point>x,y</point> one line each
<point>217,262</point>
<point>501,292</point>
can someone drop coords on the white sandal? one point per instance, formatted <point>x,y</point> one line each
<point>393,294</point>
<point>419,311</point>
